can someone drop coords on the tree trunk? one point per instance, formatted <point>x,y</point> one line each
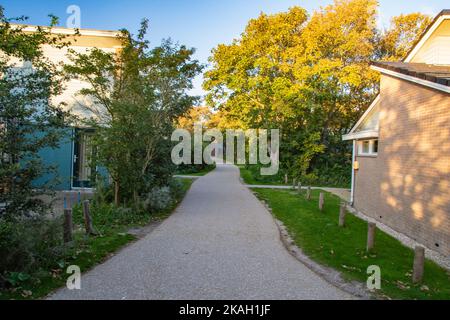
<point>136,198</point>
<point>116,193</point>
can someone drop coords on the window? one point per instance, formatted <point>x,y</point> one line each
<point>368,148</point>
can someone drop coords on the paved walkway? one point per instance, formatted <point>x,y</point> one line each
<point>221,243</point>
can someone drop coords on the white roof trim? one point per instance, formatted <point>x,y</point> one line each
<point>364,116</point>
<point>361,135</point>
<point>69,31</point>
<point>425,38</point>
<point>425,83</point>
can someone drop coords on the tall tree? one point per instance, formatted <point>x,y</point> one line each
<point>139,94</point>
<point>29,121</point>
<point>308,76</point>
<point>403,34</point>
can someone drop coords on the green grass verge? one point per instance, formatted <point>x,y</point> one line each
<point>343,249</point>
<point>200,173</point>
<point>87,252</point>
<point>249,178</point>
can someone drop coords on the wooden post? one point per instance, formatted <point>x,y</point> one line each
<point>308,194</point>
<point>299,188</point>
<point>294,183</point>
<point>68,226</point>
<point>286,181</point>
<point>419,261</point>
<point>88,219</point>
<point>371,236</point>
<point>342,213</point>
<point>321,201</point>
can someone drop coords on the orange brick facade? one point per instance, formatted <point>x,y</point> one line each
<point>407,186</point>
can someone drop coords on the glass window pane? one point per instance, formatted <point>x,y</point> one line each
<point>375,146</point>
<point>365,147</point>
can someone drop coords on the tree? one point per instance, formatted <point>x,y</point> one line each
<point>139,94</point>
<point>308,76</point>
<point>197,114</point>
<point>402,35</point>
<point>28,120</point>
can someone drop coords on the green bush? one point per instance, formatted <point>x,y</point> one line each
<point>158,199</point>
<point>29,244</point>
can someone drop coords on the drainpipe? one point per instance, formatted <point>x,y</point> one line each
<point>352,193</point>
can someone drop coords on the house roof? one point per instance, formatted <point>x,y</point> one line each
<point>428,30</point>
<point>428,72</point>
<point>434,76</point>
<point>69,31</point>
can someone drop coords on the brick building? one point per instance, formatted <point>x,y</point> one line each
<point>401,145</point>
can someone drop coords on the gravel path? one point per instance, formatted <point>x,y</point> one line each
<point>221,243</point>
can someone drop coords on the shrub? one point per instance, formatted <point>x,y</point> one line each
<point>29,244</point>
<point>158,199</point>
<point>106,217</point>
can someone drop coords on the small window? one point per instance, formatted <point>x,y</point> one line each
<point>368,148</point>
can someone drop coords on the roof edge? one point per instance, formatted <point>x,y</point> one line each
<point>71,31</point>
<point>409,78</point>
<point>431,27</point>
<point>369,134</point>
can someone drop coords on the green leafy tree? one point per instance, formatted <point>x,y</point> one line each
<point>139,94</point>
<point>308,75</point>
<point>29,121</point>
<point>404,32</point>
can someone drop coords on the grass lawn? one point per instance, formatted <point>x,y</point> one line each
<point>89,252</point>
<point>344,249</point>
<point>249,179</point>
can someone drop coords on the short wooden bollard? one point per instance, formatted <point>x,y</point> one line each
<point>321,201</point>
<point>88,219</point>
<point>294,183</point>
<point>299,190</point>
<point>371,236</point>
<point>342,213</point>
<point>286,180</point>
<point>419,262</point>
<point>308,193</point>
<point>68,226</point>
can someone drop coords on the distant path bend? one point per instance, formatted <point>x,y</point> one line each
<point>221,243</point>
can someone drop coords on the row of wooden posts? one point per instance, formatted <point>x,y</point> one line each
<point>419,252</point>
<point>68,222</point>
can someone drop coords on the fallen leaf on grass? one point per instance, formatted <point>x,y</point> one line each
<point>402,285</point>
<point>26,293</point>
<point>351,268</point>
<point>424,288</point>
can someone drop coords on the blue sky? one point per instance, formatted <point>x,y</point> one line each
<point>202,24</point>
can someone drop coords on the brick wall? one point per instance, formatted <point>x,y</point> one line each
<point>407,186</point>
